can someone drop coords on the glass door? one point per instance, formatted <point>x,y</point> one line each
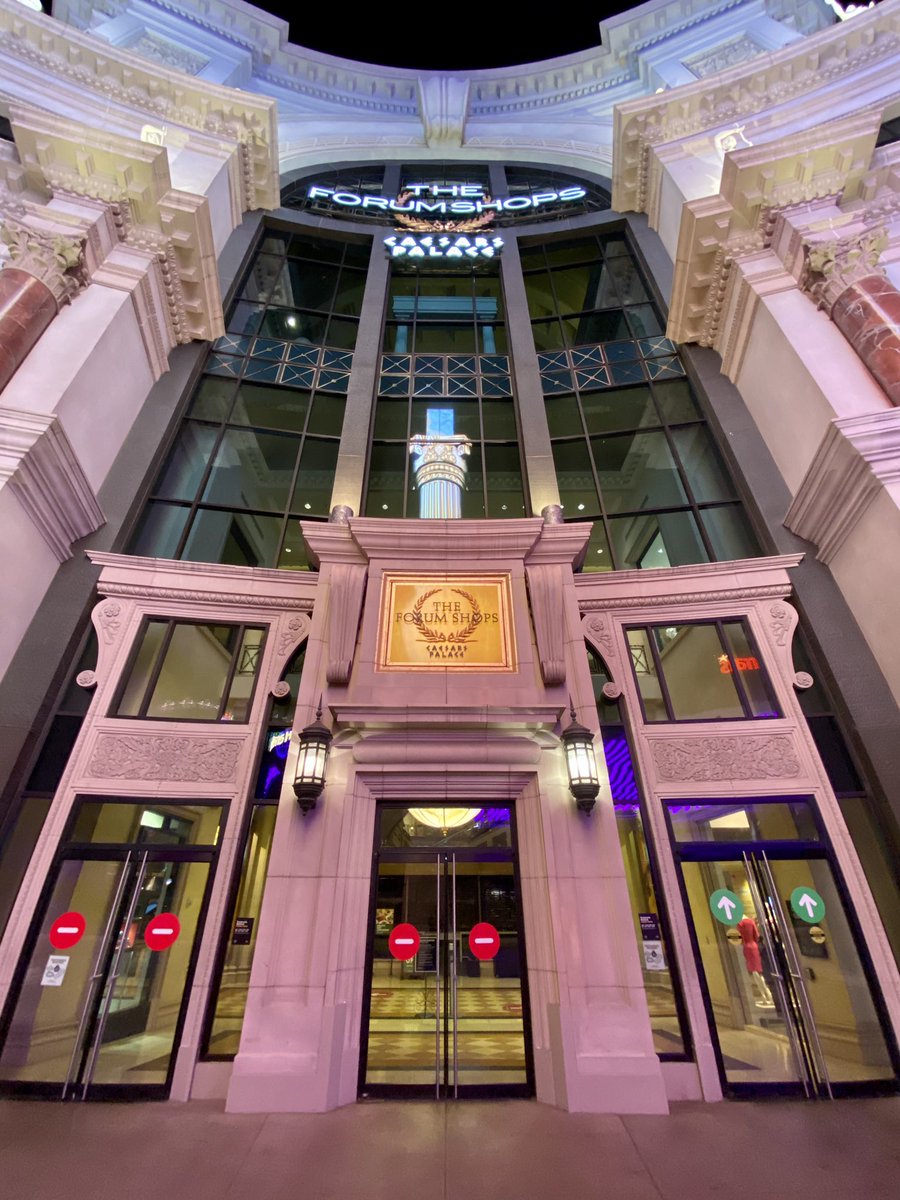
<point>100,997</point>
<point>790,1001</point>
<point>446,993</point>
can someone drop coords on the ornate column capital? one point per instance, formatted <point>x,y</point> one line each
<point>57,261</point>
<point>834,265</point>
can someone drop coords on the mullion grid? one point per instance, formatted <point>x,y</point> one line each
<point>663,425</point>
<point>244,363</point>
<point>483,381</point>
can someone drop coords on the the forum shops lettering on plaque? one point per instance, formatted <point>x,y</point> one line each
<point>457,622</point>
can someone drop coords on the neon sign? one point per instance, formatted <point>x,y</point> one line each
<point>743,664</point>
<point>451,201</point>
<point>432,245</point>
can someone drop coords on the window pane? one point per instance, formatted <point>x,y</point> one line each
<point>705,471</point>
<point>503,472</point>
<point>637,472</point>
<point>698,689</point>
<point>315,479</point>
<point>588,286</point>
<point>465,416</point>
<point>655,954</point>
<point>644,322</point>
<point>657,540</point>
<point>350,293</point>
<point>241,539</point>
<point>473,496</point>
<point>575,480</point>
<point>342,333</point>
<point>270,407</point>
<point>540,294</point>
<point>628,408</point>
<point>387,482</point>
<point>252,470</point>
<point>547,335</point>
<point>245,318</point>
<point>180,478</point>
<point>645,673</point>
<point>54,754</point>
<point>750,670</point>
<point>192,679</point>
<point>676,401</point>
<point>237,707</point>
<point>629,285</point>
<point>160,530</point>
<point>598,557</point>
<point>446,339</point>
<point>327,415</point>
<point>391,418</point>
<point>743,821</point>
<point>294,553</point>
<point>597,327</point>
<point>311,285</point>
<point>730,532</point>
<point>231,998</point>
<point>160,824</point>
<point>139,676</point>
<point>499,420</point>
<point>562,415</point>
<point>212,400</point>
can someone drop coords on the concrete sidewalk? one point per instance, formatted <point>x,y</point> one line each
<point>510,1150</point>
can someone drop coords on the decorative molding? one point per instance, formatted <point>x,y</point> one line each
<point>741,757</point>
<point>280,690</point>
<point>174,758</point>
<point>86,679</point>
<point>163,50</point>
<point>58,262</point>
<point>41,468</point>
<point>857,458</point>
<point>803,680</point>
<point>158,95</point>
<point>611,691</point>
<point>790,74</point>
<point>444,102</point>
<point>727,54</point>
<point>698,597</point>
<point>108,587</point>
<point>782,620</point>
<point>347,585</point>
<point>291,632</point>
<point>546,585</point>
<point>132,178</point>
<point>836,264</point>
<point>599,630</point>
<point>710,301</point>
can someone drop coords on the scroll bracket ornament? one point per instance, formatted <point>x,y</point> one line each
<point>546,583</point>
<point>347,585</point>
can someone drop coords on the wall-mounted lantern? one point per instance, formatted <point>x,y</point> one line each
<point>309,779</point>
<point>581,763</point>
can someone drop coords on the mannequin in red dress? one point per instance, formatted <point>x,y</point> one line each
<point>749,932</point>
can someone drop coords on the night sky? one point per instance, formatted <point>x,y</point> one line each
<point>446,37</point>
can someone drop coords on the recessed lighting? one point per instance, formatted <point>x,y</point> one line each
<point>307,506</point>
<point>659,551</point>
<point>599,551</point>
<point>288,550</point>
<point>503,508</point>
<point>291,322</point>
<point>580,507</point>
<point>384,506</point>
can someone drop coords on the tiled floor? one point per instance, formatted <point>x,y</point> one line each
<point>500,1151</point>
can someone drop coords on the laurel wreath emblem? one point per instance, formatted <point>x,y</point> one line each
<point>438,635</point>
<point>426,225</point>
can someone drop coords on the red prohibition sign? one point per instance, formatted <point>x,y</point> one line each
<point>484,941</point>
<point>162,930</point>
<point>404,941</point>
<point>67,930</point>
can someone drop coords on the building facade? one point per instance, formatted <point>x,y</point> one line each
<point>387,454</point>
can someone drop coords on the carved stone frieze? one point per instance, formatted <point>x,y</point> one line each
<point>698,597</point>
<point>58,262</point>
<point>171,758</point>
<point>169,53</point>
<point>713,759</point>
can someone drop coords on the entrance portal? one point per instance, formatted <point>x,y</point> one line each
<point>446,1011</point>
<point>100,995</point>
<point>788,994</point>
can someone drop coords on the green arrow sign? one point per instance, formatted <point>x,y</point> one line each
<point>807,905</point>
<point>726,907</point>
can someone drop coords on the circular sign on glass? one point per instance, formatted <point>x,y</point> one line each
<point>162,931</point>
<point>67,930</point>
<point>484,941</point>
<point>404,941</point>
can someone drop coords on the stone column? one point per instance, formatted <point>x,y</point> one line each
<point>41,274</point>
<point>440,474</point>
<point>845,279</point>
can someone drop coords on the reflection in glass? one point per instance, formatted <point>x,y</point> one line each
<point>743,821</point>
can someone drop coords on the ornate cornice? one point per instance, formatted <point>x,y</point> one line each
<point>157,94</point>
<point>132,179</point>
<point>800,69</point>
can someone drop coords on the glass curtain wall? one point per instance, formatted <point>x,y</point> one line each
<point>632,450</point>
<point>258,446</point>
<point>445,367</point>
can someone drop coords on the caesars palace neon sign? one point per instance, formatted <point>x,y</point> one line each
<point>448,201</point>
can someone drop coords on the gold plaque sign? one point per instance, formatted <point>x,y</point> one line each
<point>446,622</point>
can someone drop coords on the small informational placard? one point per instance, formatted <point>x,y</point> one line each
<point>55,970</point>
<point>243,931</point>
<point>426,958</point>
<point>651,942</point>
